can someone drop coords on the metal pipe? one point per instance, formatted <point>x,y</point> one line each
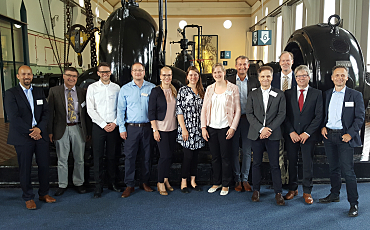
<point>165,33</point>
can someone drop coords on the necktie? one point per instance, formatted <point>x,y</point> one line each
<point>285,83</point>
<point>71,107</point>
<point>301,100</point>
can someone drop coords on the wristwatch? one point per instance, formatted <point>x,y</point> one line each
<point>154,130</point>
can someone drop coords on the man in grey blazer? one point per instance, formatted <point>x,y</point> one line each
<point>266,108</point>
<point>68,128</point>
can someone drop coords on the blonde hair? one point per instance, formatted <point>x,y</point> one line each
<point>173,89</point>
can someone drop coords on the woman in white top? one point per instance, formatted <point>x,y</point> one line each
<point>219,120</point>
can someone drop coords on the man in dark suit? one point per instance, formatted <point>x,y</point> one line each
<point>302,130</point>
<point>284,80</point>
<point>245,85</point>
<point>344,112</point>
<point>27,112</point>
<point>265,113</point>
<point>68,128</point>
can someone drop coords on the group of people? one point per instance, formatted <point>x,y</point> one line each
<point>272,113</point>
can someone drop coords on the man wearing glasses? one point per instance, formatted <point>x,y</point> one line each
<point>101,102</point>
<point>134,126</point>
<point>68,128</point>
<point>302,130</point>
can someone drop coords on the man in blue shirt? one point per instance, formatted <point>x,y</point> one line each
<point>134,126</point>
<point>344,116</point>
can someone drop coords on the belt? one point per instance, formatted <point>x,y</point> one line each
<point>334,130</point>
<point>73,124</point>
<point>139,124</point>
<point>243,116</point>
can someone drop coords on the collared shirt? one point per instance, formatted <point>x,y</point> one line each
<point>28,93</point>
<point>282,79</point>
<point>75,103</point>
<point>265,96</point>
<point>133,104</point>
<point>101,102</point>
<point>304,93</point>
<point>243,92</point>
<point>335,109</point>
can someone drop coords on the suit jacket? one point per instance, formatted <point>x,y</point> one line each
<point>310,119</point>
<point>276,82</point>
<point>252,82</point>
<point>353,116</point>
<point>19,114</point>
<point>58,114</point>
<point>157,107</point>
<point>275,113</point>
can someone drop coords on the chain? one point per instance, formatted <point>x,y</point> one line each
<point>69,15</point>
<point>90,29</point>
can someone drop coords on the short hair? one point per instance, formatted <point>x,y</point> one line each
<point>72,69</point>
<point>302,68</point>
<point>218,65</point>
<point>241,57</point>
<point>265,67</point>
<point>103,64</point>
<point>139,64</point>
<point>165,68</point>
<point>340,67</point>
<point>287,52</point>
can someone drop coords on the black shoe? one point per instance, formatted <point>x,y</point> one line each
<point>185,190</point>
<point>81,189</point>
<point>98,191</point>
<point>60,191</point>
<point>197,188</point>
<point>353,211</point>
<point>329,198</point>
<point>114,187</point>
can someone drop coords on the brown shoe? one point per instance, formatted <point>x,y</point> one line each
<point>238,186</point>
<point>30,205</point>
<point>307,198</point>
<point>146,187</point>
<point>256,196</point>
<point>279,199</point>
<point>291,194</point>
<point>163,193</point>
<point>246,186</point>
<point>128,192</point>
<point>47,199</point>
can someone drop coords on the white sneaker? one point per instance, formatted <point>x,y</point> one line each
<point>212,189</point>
<point>224,193</point>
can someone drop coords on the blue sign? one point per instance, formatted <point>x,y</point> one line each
<point>225,54</point>
<point>224,63</point>
<point>261,37</point>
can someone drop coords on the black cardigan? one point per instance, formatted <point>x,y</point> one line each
<point>157,105</point>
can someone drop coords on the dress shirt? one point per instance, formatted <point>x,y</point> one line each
<point>289,80</point>
<point>304,93</point>
<point>28,93</point>
<point>265,96</point>
<point>243,92</point>
<point>335,109</point>
<point>101,102</point>
<point>75,103</point>
<point>133,104</point>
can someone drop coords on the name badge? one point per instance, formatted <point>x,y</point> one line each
<point>228,92</point>
<point>144,94</point>
<point>40,102</point>
<point>83,104</point>
<point>253,89</point>
<point>349,104</point>
<point>273,93</point>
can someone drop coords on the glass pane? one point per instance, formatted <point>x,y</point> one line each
<point>6,41</point>
<point>298,16</point>
<point>10,79</point>
<point>329,9</point>
<point>279,34</point>
<point>18,47</point>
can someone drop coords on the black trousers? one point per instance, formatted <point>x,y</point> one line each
<point>103,140</point>
<point>166,148</point>
<point>190,163</point>
<point>272,148</point>
<point>307,150</point>
<point>24,154</point>
<point>221,155</point>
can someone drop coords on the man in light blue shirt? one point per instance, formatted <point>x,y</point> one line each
<point>134,126</point>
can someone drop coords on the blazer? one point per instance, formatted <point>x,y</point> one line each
<point>252,82</point>
<point>353,114</point>
<point>310,119</point>
<point>19,114</point>
<point>157,107</point>
<point>275,113</point>
<point>58,114</point>
<point>276,80</point>
<point>232,106</point>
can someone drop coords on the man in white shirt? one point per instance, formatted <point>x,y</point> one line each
<point>101,102</point>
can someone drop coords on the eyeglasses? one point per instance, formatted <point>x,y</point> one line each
<point>70,75</point>
<point>137,70</point>
<point>301,76</point>
<point>104,72</point>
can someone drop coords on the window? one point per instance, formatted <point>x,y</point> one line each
<point>281,2</point>
<point>368,46</point>
<point>299,16</point>
<point>329,9</point>
<point>266,11</point>
<point>279,34</point>
<point>265,51</point>
<point>255,20</point>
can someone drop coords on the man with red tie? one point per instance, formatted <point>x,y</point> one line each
<point>304,111</point>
